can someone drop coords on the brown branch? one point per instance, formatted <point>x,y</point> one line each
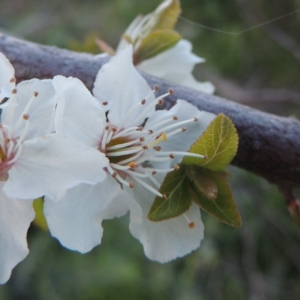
<point>269,145</point>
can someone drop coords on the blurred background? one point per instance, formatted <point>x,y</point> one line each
<point>259,68</point>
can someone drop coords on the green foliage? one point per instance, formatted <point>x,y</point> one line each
<point>218,143</point>
<point>180,197</point>
<point>167,17</point>
<point>222,206</point>
<point>155,43</point>
<point>202,180</point>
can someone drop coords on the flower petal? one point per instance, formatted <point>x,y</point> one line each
<point>169,239</point>
<point>175,65</point>
<point>78,113</point>
<point>74,220</point>
<point>183,140</point>
<point>6,74</point>
<point>41,111</point>
<point>120,85</point>
<point>52,164</point>
<point>15,218</point>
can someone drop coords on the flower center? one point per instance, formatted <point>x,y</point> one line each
<point>133,150</point>
<point>10,145</point>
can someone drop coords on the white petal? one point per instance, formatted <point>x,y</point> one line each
<point>169,239</point>
<point>119,84</point>
<point>52,164</point>
<point>78,113</point>
<point>176,65</point>
<point>7,72</point>
<point>15,218</point>
<point>41,111</point>
<point>74,220</point>
<point>120,205</point>
<point>182,141</point>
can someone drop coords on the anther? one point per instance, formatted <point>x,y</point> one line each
<point>164,196</point>
<point>14,91</point>
<point>171,91</point>
<point>192,225</point>
<point>13,79</point>
<point>150,131</point>
<point>114,129</point>
<point>157,148</point>
<point>145,147</point>
<point>131,185</point>
<point>176,167</point>
<point>175,118</point>
<point>143,101</point>
<point>26,117</point>
<point>115,174</point>
<point>153,172</point>
<point>106,127</point>
<point>132,164</point>
<point>142,139</point>
<point>172,156</point>
<point>35,94</point>
<point>141,128</point>
<point>183,129</point>
<point>196,119</point>
<point>160,102</point>
<point>156,88</point>
<point>205,157</point>
<point>104,103</point>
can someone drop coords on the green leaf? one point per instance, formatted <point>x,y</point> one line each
<point>218,143</point>
<point>39,220</point>
<point>166,15</point>
<point>206,186</point>
<point>175,186</point>
<point>223,207</point>
<point>155,43</point>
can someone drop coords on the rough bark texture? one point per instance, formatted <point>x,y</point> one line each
<point>269,145</point>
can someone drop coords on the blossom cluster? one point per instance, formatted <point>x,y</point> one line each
<point>92,157</point>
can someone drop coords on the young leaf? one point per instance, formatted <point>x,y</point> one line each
<point>166,15</point>
<point>180,197</point>
<point>155,43</point>
<point>218,143</point>
<point>223,207</point>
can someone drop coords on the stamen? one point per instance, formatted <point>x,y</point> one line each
<point>126,131</point>
<point>176,131</point>
<point>160,138</point>
<point>179,153</point>
<point>104,103</point>
<point>122,145</point>
<point>162,123</point>
<point>118,167</point>
<point>27,107</point>
<point>103,143</point>
<point>179,124</point>
<point>171,91</point>
<point>125,152</point>
<point>9,150</point>
<point>25,130</point>
<point>148,187</point>
<point>108,139</point>
<point>117,177</point>
<point>18,153</point>
<point>142,116</point>
<point>2,140</point>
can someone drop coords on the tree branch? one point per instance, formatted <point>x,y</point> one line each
<point>269,145</point>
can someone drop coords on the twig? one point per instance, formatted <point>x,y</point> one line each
<point>269,145</point>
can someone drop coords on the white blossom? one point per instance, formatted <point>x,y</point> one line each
<point>175,64</point>
<point>34,161</point>
<point>142,145</point>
